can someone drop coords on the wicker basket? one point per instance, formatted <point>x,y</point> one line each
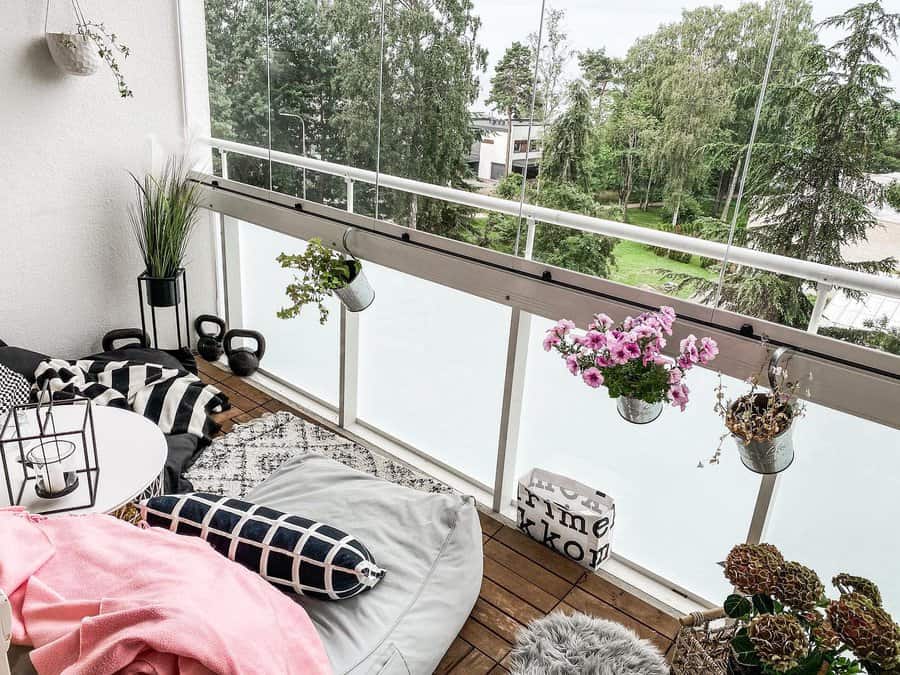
<point>703,644</point>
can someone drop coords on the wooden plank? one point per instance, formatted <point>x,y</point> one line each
<point>488,525</point>
<point>655,617</point>
<point>485,640</point>
<point>227,415</point>
<point>532,571</point>
<point>236,399</point>
<point>245,388</point>
<point>509,604</point>
<point>209,370</point>
<point>473,663</point>
<point>556,563</point>
<point>501,624</point>
<point>583,601</point>
<point>517,584</point>
<point>457,651</point>
<point>274,405</point>
<point>498,670</point>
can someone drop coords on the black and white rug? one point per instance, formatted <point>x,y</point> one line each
<point>243,458</point>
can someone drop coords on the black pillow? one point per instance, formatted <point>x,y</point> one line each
<point>22,361</point>
<point>291,552</point>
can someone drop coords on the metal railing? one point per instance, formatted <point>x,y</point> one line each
<point>826,276</point>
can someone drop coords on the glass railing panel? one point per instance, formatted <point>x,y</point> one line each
<point>676,514</point>
<point>431,369</point>
<point>300,350</point>
<point>836,509</point>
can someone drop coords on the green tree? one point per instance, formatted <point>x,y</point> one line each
<point>565,156</point>
<point>511,89</point>
<point>813,195</point>
<point>553,56</point>
<point>599,71</point>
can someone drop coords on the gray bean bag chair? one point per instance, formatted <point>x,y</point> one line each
<point>430,545</point>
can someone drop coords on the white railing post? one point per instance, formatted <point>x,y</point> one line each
<point>230,238</point>
<point>765,500</point>
<point>349,182</point>
<point>822,291</point>
<point>529,238</point>
<point>349,352</point>
<point>511,410</point>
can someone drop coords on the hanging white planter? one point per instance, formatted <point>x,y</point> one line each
<point>74,53</point>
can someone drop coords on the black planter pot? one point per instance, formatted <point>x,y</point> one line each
<point>163,291</point>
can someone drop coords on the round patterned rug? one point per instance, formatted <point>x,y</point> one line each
<point>243,458</point>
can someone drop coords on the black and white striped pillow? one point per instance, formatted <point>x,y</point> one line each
<point>291,552</point>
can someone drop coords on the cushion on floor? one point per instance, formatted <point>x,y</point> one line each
<point>22,361</point>
<point>289,551</point>
<point>430,545</point>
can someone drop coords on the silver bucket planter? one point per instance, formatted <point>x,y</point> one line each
<point>358,294</point>
<point>638,412</point>
<point>770,456</point>
<point>74,54</point>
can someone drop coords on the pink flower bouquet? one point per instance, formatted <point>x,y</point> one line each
<point>628,358</point>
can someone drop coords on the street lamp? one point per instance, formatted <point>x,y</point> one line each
<point>302,143</point>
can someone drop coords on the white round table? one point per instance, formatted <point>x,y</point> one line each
<point>130,448</point>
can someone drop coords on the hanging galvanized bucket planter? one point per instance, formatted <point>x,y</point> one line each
<point>637,411</point>
<point>358,294</point>
<point>767,456</point>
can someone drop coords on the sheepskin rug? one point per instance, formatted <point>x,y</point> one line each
<point>578,644</point>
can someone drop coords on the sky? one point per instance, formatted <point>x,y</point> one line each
<point>613,24</point>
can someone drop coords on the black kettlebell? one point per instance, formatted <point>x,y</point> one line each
<point>210,344</point>
<point>244,361</point>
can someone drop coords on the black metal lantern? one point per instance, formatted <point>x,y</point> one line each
<point>50,449</point>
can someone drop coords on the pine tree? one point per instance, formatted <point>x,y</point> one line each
<point>511,89</point>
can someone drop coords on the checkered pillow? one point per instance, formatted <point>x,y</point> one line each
<point>14,390</point>
<point>294,553</point>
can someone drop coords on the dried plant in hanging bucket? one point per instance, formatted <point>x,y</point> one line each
<point>761,422</point>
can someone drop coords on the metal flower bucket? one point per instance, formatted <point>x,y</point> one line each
<point>637,411</point>
<point>358,294</point>
<point>768,456</point>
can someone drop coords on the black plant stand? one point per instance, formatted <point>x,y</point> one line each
<point>180,276</point>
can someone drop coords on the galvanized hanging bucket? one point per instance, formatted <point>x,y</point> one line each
<point>358,294</point>
<point>771,455</point>
<point>637,411</point>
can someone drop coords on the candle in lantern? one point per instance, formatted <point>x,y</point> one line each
<point>50,462</point>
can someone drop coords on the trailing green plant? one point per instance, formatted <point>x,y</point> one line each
<point>324,271</point>
<point>106,42</point>
<point>791,627</point>
<point>163,218</point>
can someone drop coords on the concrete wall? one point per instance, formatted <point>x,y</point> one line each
<point>68,260</point>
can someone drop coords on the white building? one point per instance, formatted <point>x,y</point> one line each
<point>488,157</point>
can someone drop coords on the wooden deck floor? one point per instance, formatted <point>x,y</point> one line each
<point>523,580</point>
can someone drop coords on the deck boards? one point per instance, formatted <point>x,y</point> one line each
<point>523,580</point>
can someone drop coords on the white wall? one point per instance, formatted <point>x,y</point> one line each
<point>68,261</point>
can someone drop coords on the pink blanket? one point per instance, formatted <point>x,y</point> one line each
<point>95,595</point>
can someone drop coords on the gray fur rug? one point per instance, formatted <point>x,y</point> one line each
<point>578,644</point>
<point>246,456</point>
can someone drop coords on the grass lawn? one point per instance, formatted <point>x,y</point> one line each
<point>637,265</point>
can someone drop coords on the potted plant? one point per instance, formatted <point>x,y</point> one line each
<point>788,625</point>
<point>162,221</point>
<point>627,358</point>
<point>82,52</point>
<point>325,272</point>
<point>761,423</point>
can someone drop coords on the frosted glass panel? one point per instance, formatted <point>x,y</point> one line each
<point>672,517</point>
<point>431,368</point>
<point>298,350</point>
<point>836,509</point>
